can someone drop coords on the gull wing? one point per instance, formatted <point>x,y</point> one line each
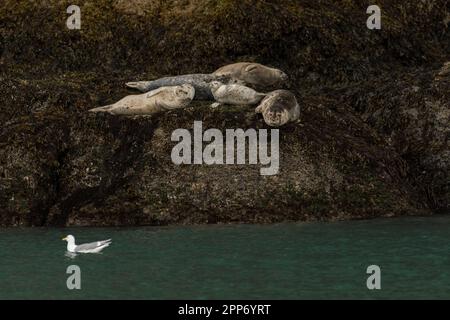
<point>92,245</point>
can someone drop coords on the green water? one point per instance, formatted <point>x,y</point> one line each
<point>283,261</point>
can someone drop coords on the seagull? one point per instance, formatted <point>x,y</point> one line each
<point>92,247</point>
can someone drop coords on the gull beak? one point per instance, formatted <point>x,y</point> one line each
<point>64,238</point>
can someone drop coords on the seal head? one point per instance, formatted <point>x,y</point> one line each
<point>181,97</point>
<point>279,107</point>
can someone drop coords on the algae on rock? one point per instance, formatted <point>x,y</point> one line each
<point>372,140</point>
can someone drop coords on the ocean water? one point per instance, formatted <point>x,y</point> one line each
<point>281,261</point>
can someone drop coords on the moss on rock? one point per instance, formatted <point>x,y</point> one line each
<point>372,140</point>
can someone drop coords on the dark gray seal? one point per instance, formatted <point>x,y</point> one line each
<point>200,81</point>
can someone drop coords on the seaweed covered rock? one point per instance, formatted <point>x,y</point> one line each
<point>372,138</point>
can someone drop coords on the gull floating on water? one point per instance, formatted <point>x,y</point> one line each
<point>92,247</point>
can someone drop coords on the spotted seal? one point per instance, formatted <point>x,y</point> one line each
<point>155,101</point>
<point>199,81</point>
<point>279,107</point>
<point>235,94</point>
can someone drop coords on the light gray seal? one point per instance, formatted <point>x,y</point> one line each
<point>279,107</point>
<point>253,74</point>
<point>199,81</point>
<point>235,94</point>
<point>155,101</point>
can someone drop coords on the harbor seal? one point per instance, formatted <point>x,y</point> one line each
<point>253,74</point>
<point>279,107</point>
<point>234,94</point>
<point>199,81</point>
<point>155,101</point>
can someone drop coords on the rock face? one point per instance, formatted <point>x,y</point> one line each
<point>372,138</point>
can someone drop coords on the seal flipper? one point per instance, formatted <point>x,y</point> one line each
<point>215,105</point>
<point>154,92</point>
<point>107,108</point>
<point>139,85</point>
<point>261,95</point>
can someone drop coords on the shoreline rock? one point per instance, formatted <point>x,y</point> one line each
<point>372,140</point>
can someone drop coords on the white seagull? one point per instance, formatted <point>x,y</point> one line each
<point>92,247</point>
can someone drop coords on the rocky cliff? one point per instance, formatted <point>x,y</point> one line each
<point>372,140</point>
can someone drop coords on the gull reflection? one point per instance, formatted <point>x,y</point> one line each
<point>70,255</point>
